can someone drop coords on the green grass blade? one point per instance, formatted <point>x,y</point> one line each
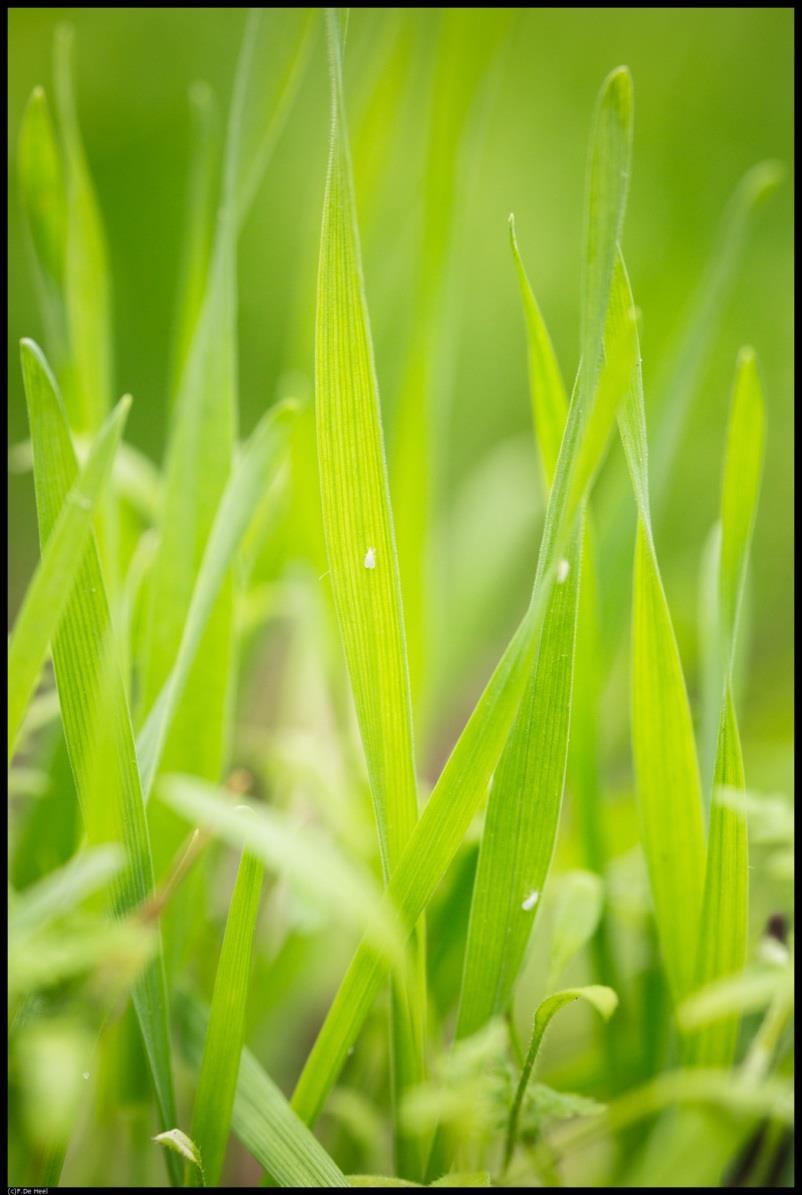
<point>676,389</point>
<point>664,750</point>
<point>205,151</point>
<point>185,1147</point>
<point>356,508</point>
<point>522,817</point>
<point>79,649</point>
<point>725,911</point>
<point>546,387</point>
<point>52,582</point>
<point>603,999</point>
<point>360,545</point>
<point>680,380</point>
<point>463,783</point>
<point>217,1082</point>
<point>261,457</point>
<point>286,847</point>
<point>262,1118</point>
<point>44,203</point>
<point>87,293</point>
<point>526,795</point>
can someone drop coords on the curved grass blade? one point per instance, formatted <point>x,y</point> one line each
<point>185,1147</point>
<point>361,550</point>
<point>261,457</point>
<point>725,911</point>
<point>52,582</point>
<point>217,1082</point>
<point>664,750</point>
<point>603,999</point>
<point>526,795</point>
<point>85,685</point>
<point>262,1119</point>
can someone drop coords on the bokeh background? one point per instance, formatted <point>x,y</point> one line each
<point>713,92</point>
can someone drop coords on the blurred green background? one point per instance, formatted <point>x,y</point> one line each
<point>713,92</point>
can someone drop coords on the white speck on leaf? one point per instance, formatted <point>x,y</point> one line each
<point>530,901</point>
<point>85,1075</point>
<point>563,568</point>
<point>370,558</point>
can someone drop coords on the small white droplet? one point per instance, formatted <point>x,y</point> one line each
<point>80,500</point>
<point>563,568</point>
<point>530,901</point>
<point>85,1075</point>
<point>370,558</point>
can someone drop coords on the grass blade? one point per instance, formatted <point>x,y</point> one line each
<point>82,677</point>
<point>664,750</point>
<point>52,583</point>
<point>87,294</point>
<point>217,1082</point>
<point>261,458</point>
<point>725,911</point>
<point>526,795</point>
<point>60,891</point>
<point>360,544</point>
<point>262,1119</point>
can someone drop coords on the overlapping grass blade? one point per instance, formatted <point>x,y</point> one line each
<point>725,911</point>
<point>85,685</point>
<point>217,1081</point>
<point>664,750</point>
<point>463,782</point>
<point>526,795</point>
<point>260,459</point>
<point>262,1118</point>
<point>603,999</point>
<point>285,847</point>
<point>52,582</point>
<point>360,544</point>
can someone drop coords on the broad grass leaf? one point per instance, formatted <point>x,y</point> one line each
<point>47,594</point>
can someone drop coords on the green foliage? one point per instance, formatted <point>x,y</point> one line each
<point>308,766</point>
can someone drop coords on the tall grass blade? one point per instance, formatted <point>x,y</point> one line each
<point>217,1082</point>
<point>526,795</point>
<point>664,750</point>
<point>79,652</point>
<point>725,911</point>
<point>260,460</point>
<point>360,541</point>
<point>53,580</point>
